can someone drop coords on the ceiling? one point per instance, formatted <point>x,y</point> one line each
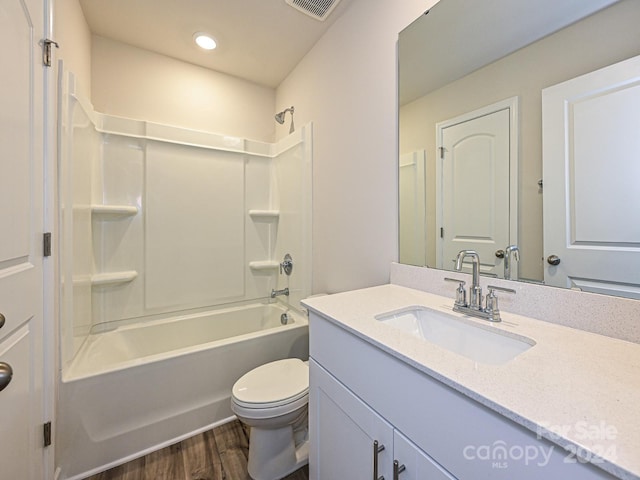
<point>258,40</point>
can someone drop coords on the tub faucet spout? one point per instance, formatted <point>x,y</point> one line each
<point>275,293</point>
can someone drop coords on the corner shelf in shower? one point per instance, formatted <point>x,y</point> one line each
<point>113,211</point>
<point>264,215</point>
<point>264,265</point>
<point>113,278</point>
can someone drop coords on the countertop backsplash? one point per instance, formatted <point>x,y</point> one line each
<point>605,315</point>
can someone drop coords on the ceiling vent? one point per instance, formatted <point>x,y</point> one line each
<point>318,9</point>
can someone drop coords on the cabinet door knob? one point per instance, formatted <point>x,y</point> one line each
<point>500,253</point>
<point>397,469</point>
<point>377,448</point>
<point>2,320</point>
<point>6,373</point>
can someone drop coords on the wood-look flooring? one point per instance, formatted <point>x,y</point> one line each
<point>218,454</point>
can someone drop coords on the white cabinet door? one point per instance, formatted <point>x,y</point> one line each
<point>21,225</point>
<point>343,431</point>
<point>591,146</point>
<point>417,464</point>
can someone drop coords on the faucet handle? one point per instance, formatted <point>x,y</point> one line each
<point>500,289</point>
<point>461,294</point>
<point>286,265</point>
<point>492,302</point>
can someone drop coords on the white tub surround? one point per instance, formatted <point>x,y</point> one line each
<point>170,244</point>
<point>570,383</point>
<point>159,220</point>
<point>141,387</point>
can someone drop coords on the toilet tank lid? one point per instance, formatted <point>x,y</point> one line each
<point>273,382</point>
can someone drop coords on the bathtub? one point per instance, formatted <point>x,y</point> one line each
<point>140,387</point>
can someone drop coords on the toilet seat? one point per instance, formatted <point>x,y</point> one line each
<point>272,400</point>
<point>273,385</point>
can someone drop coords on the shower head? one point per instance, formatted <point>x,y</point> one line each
<point>280,117</point>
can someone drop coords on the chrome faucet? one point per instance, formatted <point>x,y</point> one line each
<point>275,293</point>
<point>475,292</point>
<point>511,249</point>
<point>474,307</point>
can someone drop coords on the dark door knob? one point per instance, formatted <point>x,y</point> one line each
<point>6,372</point>
<point>553,260</point>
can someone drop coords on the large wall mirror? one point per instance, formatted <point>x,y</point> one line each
<point>520,139</point>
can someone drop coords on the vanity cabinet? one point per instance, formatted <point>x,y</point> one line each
<point>357,442</point>
<point>360,393</point>
<point>344,431</point>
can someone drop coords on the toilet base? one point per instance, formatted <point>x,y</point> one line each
<point>273,453</point>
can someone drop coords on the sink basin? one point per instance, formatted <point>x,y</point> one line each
<point>459,335</point>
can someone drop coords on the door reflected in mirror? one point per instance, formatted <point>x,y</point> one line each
<point>451,209</point>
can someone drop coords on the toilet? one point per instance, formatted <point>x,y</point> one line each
<point>272,399</point>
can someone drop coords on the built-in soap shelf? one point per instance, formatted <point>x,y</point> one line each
<point>106,212</point>
<point>113,211</point>
<point>264,265</point>
<point>264,215</point>
<point>113,278</point>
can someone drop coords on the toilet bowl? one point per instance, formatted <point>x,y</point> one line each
<point>272,399</point>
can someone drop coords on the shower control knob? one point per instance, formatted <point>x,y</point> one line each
<point>286,265</point>
<point>6,373</point>
<point>553,260</point>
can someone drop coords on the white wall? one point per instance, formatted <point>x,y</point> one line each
<point>347,86</point>
<point>72,34</point>
<point>139,84</point>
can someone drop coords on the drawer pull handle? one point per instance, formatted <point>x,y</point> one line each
<point>397,470</point>
<point>377,448</point>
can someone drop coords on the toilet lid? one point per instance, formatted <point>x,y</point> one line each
<point>273,384</point>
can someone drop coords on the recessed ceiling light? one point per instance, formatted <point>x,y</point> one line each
<point>205,41</point>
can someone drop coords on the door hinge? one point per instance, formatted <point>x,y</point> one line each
<point>441,232</point>
<point>441,152</point>
<point>46,51</point>
<point>46,434</point>
<point>46,244</point>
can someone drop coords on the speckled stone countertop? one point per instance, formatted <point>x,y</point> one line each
<point>578,389</point>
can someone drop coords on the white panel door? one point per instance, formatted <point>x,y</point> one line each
<point>475,196</point>
<point>21,225</point>
<point>591,164</point>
